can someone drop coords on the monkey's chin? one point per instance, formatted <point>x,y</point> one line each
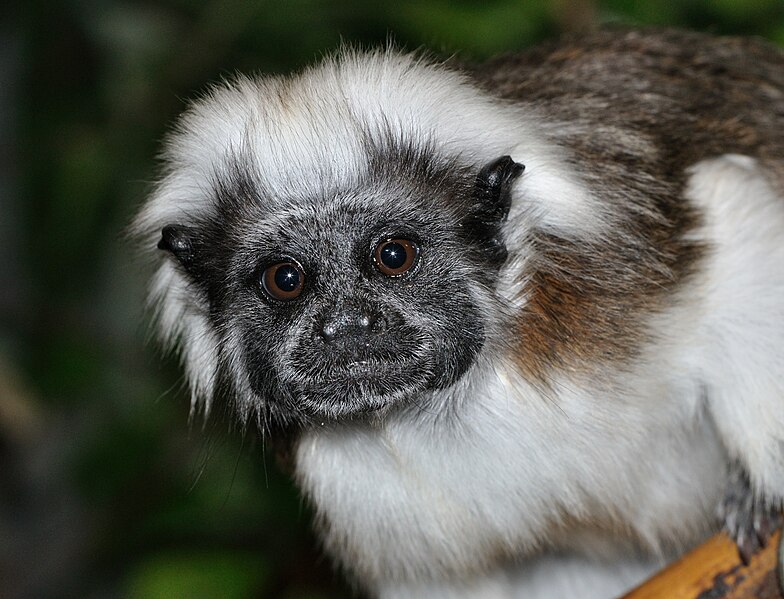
<point>359,389</point>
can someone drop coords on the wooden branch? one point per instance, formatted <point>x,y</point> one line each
<point>714,571</point>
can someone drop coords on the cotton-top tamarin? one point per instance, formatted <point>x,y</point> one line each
<point>521,324</point>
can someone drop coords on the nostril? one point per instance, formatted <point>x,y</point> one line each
<point>328,331</point>
<point>366,322</point>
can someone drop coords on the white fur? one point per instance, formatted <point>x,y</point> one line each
<point>743,332</point>
<point>566,576</point>
<point>422,499</point>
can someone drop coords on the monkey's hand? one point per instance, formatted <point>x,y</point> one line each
<point>747,517</point>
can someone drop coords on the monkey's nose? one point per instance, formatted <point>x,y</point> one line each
<point>349,325</point>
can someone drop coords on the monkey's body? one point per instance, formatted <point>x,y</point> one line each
<point>567,386</point>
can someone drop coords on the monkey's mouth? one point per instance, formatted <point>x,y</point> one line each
<point>358,386</point>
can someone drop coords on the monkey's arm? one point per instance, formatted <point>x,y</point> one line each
<point>742,336</point>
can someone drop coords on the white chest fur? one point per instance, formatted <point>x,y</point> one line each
<point>427,498</point>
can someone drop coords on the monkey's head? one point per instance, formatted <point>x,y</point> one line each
<point>317,265</point>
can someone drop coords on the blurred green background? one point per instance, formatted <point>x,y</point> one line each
<point>106,490</point>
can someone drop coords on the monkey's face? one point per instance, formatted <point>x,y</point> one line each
<point>353,299</point>
<point>353,309</point>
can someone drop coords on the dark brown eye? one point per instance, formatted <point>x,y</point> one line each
<point>396,256</point>
<point>283,281</point>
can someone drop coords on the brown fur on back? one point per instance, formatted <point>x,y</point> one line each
<point>633,110</point>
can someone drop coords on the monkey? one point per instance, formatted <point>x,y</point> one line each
<point>519,323</point>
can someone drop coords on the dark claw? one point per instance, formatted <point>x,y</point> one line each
<point>747,518</point>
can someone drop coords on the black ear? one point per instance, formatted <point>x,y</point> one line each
<point>180,241</point>
<point>491,202</point>
<point>493,184</point>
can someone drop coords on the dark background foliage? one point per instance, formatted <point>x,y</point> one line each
<point>106,490</point>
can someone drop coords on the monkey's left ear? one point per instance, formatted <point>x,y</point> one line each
<point>491,202</point>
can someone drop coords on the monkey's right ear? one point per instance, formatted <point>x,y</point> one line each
<point>180,241</point>
<point>491,202</point>
<point>493,186</point>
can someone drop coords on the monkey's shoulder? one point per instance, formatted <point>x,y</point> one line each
<point>659,100</point>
